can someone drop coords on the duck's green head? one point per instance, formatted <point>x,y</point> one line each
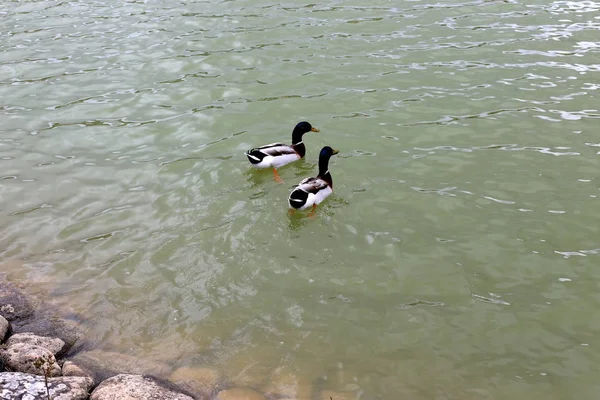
<point>324,156</point>
<point>327,152</point>
<point>304,127</point>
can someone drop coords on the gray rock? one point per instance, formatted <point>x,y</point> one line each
<point>134,387</point>
<point>17,385</point>
<point>55,345</point>
<point>32,359</point>
<point>14,304</point>
<point>3,327</point>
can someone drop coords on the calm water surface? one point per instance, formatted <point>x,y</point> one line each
<point>457,259</point>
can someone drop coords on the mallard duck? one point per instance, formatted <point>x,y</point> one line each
<point>278,154</point>
<point>312,191</point>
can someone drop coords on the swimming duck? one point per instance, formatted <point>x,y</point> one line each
<point>312,191</point>
<point>278,154</point>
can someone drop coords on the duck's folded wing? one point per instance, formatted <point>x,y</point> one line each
<point>312,185</point>
<point>274,150</point>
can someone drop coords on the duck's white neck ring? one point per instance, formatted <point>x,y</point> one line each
<point>296,144</point>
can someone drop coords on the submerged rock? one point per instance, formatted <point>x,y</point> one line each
<point>104,364</point>
<point>285,384</point>
<point>3,328</point>
<point>240,394</point>
<point>47,323</point>
<point>32,359</point>
<point>17,385</point>
<point>134,387</point>
<point>55,345</point>
<point>335,395</point>
<point>198,380</point>
<point>252,367</point>
<point>14,304</point>
<point>18,308</point>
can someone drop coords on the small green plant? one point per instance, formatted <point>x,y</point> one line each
<point>46,363</point>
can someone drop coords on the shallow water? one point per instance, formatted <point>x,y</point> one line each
<point>457,258</point>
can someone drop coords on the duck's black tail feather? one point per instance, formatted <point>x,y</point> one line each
<point>298,198</point>
<point>255,156</point>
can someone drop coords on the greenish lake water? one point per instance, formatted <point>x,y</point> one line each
<point>456,259</point>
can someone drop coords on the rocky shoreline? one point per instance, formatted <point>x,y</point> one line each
<point>44,356</point>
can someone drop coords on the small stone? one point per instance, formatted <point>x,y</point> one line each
<point>17,385</point>
<point>31,359</point>
<point>134,387</point>
<point>69,368</point>
<point>285,384</point>
<point>3,328</point>
<point>240,394</point>
<point>335,395</point>
<point>202,380</point>
<point>55,345</point>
